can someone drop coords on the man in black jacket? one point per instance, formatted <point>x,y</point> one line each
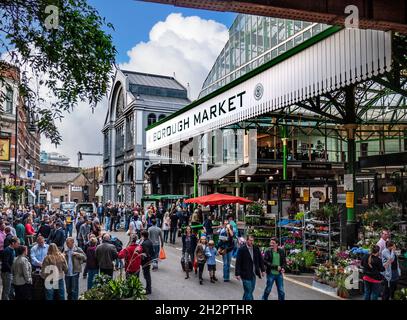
<point>249,264</point>
<point>6,272</point>
<point>275,262</point>
<point>147,255</point>
<point>57,236</point>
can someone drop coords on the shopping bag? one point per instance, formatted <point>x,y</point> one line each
<point>195,264</point>
<point>162,254</point>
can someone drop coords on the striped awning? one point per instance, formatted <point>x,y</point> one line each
<point>313,68</point>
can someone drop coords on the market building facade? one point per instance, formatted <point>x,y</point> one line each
<point>138,100</point>
<point>288,101</point>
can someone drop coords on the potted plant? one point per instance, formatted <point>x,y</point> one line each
<point>342,291</point>
<point>401,294</point>
<point>106,288</point>
<point>309,259</point>
<point>291,211</point>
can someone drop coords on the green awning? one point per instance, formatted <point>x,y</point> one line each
<point>165,197</point>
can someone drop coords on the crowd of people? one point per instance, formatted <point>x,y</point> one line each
<point>43,258</point>
<point>381,269</point>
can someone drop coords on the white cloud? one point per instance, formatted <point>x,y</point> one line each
<point>81,131</point>
<point>187,46</point>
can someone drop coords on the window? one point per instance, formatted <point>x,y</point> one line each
<point>106,145</point>
<point>151,119</point>
<point>162,116</point>
<point>129,131</point>
<point>9,101</point>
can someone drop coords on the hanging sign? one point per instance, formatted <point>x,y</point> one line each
<point>314,204</point>
<point>350,199</point>
<point>348,182</point>
<point>316,166</point>
<point>390,189</point>
<point>4,149</point>
<point>306,194</point>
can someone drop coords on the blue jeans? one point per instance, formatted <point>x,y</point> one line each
<point>91,276</point>
<point>68,230</point>
<point>271,278</point>
<point>248,288</point>
<point>166,232</point>
<point>173,235</point>
<point>127,223</point>
<point>156,248</point>
<point>107,223</point>
<point>227,259</point>
<point>372,290</point>
<point>100,215</point>
<point>49,293</point>
<point>72,286</point>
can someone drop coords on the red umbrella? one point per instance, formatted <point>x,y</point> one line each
<point>217,199</point>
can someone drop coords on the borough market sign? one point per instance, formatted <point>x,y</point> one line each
<point>329,61</point>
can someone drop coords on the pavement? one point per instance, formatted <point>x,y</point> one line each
<point>169,283</point>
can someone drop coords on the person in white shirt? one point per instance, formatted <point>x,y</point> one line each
<point>385,235</point>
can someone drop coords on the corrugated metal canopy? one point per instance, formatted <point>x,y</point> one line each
<point>153,80</point>
<point>217,173</point>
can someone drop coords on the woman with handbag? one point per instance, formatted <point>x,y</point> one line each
<point>189,242</point>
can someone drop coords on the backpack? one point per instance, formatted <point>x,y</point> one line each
<point>117,243</point>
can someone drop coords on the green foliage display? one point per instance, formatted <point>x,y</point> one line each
<point>62,46</point>
<point>106,288</point>
<point>14,192</point>
<point>255,208</point>
<point>380,217</point>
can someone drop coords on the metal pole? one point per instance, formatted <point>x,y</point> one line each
<point>195,180</point>
<point>284,139</point>
<point>15,148</point>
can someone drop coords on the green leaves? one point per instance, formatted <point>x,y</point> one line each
<point>106,288</point>
<point>77,56</point>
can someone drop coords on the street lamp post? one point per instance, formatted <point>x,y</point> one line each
<point>133,190</point>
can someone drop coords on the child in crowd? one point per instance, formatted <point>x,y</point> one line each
<point>211,253</point>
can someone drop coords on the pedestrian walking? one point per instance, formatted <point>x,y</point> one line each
<point>189,242</point>
<point>156,236</point>
<point>275,262</point>
<point>6,268</point>
<point>392,270</point>
<point>249,264</point>
<point>201,257</point>
<point>54,266</point>
<point>166,226</point>
<point>106,254</point>
<point>225,246</point>
<point>147,255</point>
<point>211,253</point>
<point>91,261</point>
<point>22,278</point>
<point>372,269</point>
<point>69,221</point>
<point>208,227</point>
<point>20,231</point>
<point>75,257</point>
<point>132,257</point>
<point>173,226</point>
<point>57,236</point>
<point>29,231</point>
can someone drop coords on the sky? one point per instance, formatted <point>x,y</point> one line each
<point>151,38</point>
